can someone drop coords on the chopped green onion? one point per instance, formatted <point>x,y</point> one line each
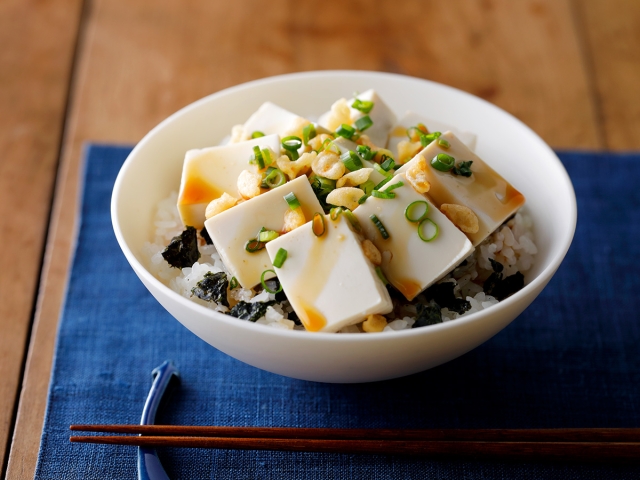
<point>233,283</point>
<point>363,123</point>
<point>351,160</point>
<point>388,163</point>
<point>443,143</point>
<point>385,194</point>
<point>443,162</point>
<point>383,182</point>
<point>365,152</point>
<point>273,177</point>
<point>292,154</point>
<point>291,143</point>
<point>257,157</point>
<point>257,134</point>
<point>346,131</point>
<point>266,174</point>
<point>292,200</point>
<point>411,212</point>
<point>381,276</point>
<point>463,169</point>
<point>329,146</point>
<point>367,187</point>
<point>267,236</point>
<point>353,220</point>
<point>364,106</point>
<point>264,285</point>
<point>428,138</point>
<point>266,156</point>
<point>308,132</point>
<point>411,130</point>
<point>394,186</point>
<point>376,221</point>
<point>335,213</point>
<point>253,245</point>
<point>427,230</point>
<point>363,198</point>
<point>281,256</point>
<point>322,185</point>
<point>381,170</point>
<point>317,224</point>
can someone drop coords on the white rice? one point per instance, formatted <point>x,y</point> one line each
<point>512,245</point>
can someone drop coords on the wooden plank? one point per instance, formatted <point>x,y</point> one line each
<point>141,61</point>
<point>612,32</point>
<point>37,41</point>
<point>523,56</point>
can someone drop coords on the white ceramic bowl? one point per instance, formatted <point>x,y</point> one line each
<point>153,169</point>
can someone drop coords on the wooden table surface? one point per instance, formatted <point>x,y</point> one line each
<point>74,71</point>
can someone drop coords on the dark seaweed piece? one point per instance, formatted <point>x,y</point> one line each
<point>293,316</point>
<point>212,288</point>
<point>429,314</point>
<point>501,288</point>
<point>250,311</point>
<point>273,284</point>
<point>205,235</point>
<point>510,285</point>
<point>395,294</point>
<point>463,169</point>
<point>182,251</point>
<point>497,266</point>
<point>491,283</point>
<point>442,294</point>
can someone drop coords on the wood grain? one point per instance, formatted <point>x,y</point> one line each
<point>147,59</point>
<point>37,41</point>
<point>523,56</point>
<point>140,61</point>
<point>612,33</point>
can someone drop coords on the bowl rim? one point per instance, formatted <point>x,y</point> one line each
<point>536,283</point>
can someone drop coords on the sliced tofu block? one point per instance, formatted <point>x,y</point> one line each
<point>345,145</point>
<point>490,196</point>
<point>328,280</point>
<point>411,119</point>
<point>409,263</point>
<point>208,172</point>
<point>382,116</point>
<point>272,119</point>
<point>232,229</point>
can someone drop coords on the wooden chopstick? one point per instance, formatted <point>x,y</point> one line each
<point>600,444</point>
<point>620,435</point>
<point>590,451</point>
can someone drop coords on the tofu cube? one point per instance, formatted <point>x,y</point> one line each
<point>409,263</point>
<point>273,119</point>
<point>485,192</point>
<point>382,116</point>
<point>208,172</point>
<point>411,119</point>
<point>328,280</point>
<point>232,229</point>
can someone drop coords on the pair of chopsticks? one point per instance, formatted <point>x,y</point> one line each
<point>580,444</point>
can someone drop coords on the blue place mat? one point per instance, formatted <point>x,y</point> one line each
<point>571,360</point>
